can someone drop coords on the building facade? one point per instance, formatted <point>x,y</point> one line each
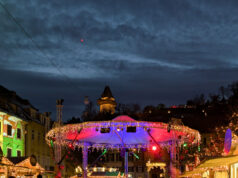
<point>23,129</point>
<point>12,131</point>
<point>35,141</point>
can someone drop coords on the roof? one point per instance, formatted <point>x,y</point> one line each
<point>124,118</point>
<point>221,162</point>
<point>192,173</point>
<point>111,133</point>
<point>16,160</point>
<point>5,161</point>
<point>14,105</point>
<point>107,92</point>
<point>12,97</point>
<point>217,162</point>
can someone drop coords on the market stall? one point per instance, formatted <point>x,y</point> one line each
<point>222,167</point>
<point>20,167</point>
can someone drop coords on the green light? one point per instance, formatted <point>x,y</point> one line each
<point>137,157</point>
<point>104,152</point>
<point>199,149</point>
<point>51,143</point>
<point>185,145</point>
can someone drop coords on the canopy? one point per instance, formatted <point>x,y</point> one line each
<point>222,163</point>
<point>219,162</point>
<point>122,131</point>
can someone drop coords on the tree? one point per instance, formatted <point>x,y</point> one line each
<point>197,100</point>
<point>161,106</point>
<point>214,99</point>
<point>89,111</point>
<point>74,120</point>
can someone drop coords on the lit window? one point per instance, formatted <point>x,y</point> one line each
<point>18,133</point>
<point>9,130</point>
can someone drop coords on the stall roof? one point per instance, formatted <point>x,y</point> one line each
<point>220,162</point>
<point>217,162</point>
<point>192,173</point>
<point>17,160</point>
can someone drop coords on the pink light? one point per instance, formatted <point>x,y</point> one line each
<point>82,40</point>
<point>71,146</point>
<point>154,148</point>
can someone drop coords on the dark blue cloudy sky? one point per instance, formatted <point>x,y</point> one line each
<point>149,52</point>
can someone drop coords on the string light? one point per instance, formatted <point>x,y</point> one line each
<point>71,128</point>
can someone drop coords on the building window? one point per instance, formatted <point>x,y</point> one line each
<point>9,152</point>
<point>39,136</point>
<point>9,130</point>
<point>112,157</point>
<point>18,133</point>
<point>204,141</point>
<point>18,153</point>
<point>130,169</point>
<point>118,157</point>
<point>140,169</point>
<point>130,158</point>
<point>32,135</point>
<point>43,137</point>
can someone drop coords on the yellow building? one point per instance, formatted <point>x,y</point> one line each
<point>35,139</point>
<point>107,102</point>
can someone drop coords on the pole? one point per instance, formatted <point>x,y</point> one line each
<point>59,107</point>
<point>172,159</point>
<point>126,164</point>
<point>85,160</point>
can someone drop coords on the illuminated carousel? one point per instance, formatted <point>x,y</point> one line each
<point>123,133</point>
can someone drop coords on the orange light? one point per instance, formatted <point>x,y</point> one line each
<point>154,148</point>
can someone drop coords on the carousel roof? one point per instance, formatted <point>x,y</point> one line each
<point>122,131</point>
<point>124,118</point>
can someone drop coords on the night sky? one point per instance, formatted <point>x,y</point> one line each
<point>148,52</point>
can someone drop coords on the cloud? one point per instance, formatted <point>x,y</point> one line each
<point>161,51</point>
